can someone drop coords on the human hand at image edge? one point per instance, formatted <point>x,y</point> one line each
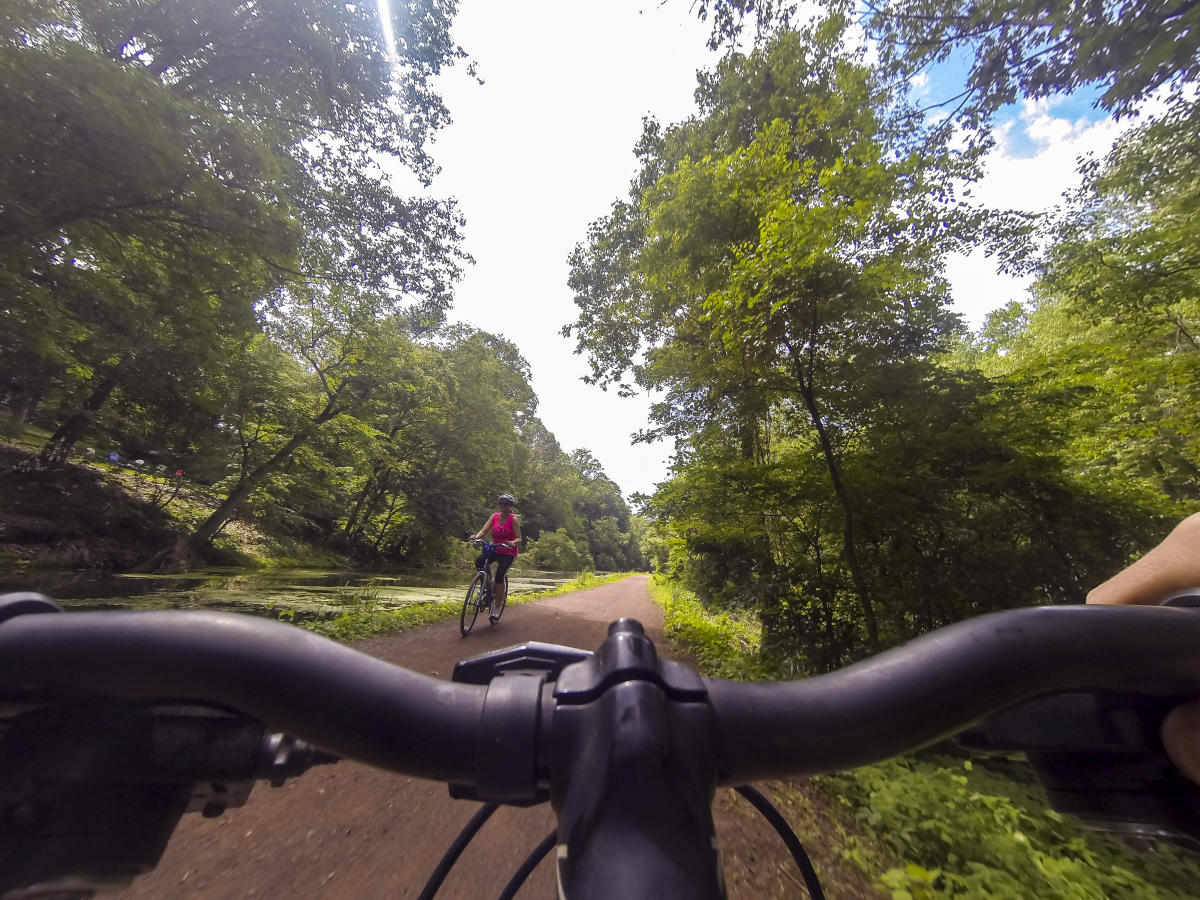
<point>1171,567</point>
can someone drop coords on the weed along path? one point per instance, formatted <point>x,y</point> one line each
<point>350,831</point>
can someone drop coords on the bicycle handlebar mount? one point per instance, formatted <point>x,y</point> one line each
<point>112,725</point>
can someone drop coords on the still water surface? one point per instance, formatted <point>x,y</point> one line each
<point>308,593</point>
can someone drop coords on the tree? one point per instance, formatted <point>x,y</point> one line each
<point>305,71</point>
<point>78,166</point>
<point>117,255</point>
<point>1111,338</point>
<point>780,251</point>
<point>551,488</point>
<point>1130,49</point>
<point>256,124</point>
<point>464,446</point>
<point>1034,48</point>
<point>343,341</point>
<point>556,550</point>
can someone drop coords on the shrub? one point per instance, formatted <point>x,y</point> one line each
<point>556,551</point>
<point>967,832</point>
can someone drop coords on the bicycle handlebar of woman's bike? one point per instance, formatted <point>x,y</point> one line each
<point>628,747</point>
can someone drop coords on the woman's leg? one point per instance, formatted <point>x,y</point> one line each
<point>503,561</point>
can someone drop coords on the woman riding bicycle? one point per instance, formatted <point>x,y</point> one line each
<point>504,531</point>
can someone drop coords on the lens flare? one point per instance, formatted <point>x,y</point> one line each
<point>389,37</point>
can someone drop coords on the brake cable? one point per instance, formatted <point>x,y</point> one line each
<point>771,813</point>
<point>450,857</point>
<point>755,797</point>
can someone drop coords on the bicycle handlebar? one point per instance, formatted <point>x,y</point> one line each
<point>936,685</point>
<point>387,716</point>
<point>628,747</point>
<point>292,680</point>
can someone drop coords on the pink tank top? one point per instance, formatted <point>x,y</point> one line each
<point>503,532</point>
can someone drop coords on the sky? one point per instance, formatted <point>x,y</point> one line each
<point>544,147</point>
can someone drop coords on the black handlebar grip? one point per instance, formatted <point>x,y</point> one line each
<point>934,686</point>
<point>341,700</point>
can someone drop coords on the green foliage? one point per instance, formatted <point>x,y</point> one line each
<point>1129,48</point>
<point>1107,352</point>
<point>249,204</point>
<point>959,829</point>
<point>364,617</point>
<point>723,644</point>
<point>556,551</point>
<point>965,831</point>
<point>775,274</point>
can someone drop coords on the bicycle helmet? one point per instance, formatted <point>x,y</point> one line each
<point>506,498</point>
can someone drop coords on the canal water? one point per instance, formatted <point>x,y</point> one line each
<point>299,593</point>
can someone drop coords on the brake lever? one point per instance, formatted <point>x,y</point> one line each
<point>1099,756</point>
<point>91,792</point>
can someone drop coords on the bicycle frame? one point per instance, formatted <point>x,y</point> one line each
<point>481,591</point>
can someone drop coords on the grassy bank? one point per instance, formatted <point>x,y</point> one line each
<point>932,826</point>
<point>364,616</point>
<point>94,515</point>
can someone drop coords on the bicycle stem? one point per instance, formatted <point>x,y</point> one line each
<point>634,776</point>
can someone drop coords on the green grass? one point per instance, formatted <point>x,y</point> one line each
<point>363,615</point>
<point>367,617</point>
<point>932,826</point>
<point>581,582</point>
<point>32,438</point>
<point>724,644</point>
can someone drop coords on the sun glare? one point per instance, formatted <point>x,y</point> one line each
<point>389,37</point>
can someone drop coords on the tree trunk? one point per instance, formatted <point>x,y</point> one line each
<point>364,503</point>
<point>370,491</point>
<point>377,493</point>
<point>19,411</point>
<point>229,506</point>
<point>387,523</point>
<point>60,445</point>
<point>849,546</point>
<point>212,526</point>
<point>352,519</point>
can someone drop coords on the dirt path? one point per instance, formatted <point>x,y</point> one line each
<point>349,831</point>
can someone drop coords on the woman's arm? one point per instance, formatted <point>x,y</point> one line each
<point>485,530</point>
<point>1171,567</point>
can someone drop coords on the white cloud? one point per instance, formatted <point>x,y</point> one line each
<point>1037,155</point>
<point>1033,165</point>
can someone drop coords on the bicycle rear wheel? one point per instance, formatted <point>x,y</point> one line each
<point>497,609</point>
<point>475,599</point>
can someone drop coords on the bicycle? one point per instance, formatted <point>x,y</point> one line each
<point>481,592</point>
<point>116,723</point>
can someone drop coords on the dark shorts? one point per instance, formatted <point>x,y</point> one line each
<point>503,562</point>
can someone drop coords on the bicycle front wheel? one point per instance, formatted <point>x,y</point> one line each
<point>475,599</point>
<point>497,609</point>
